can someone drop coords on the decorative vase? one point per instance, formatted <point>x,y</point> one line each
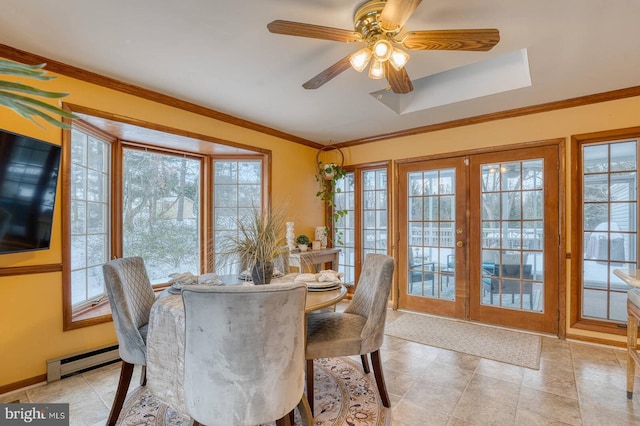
<point>290,236</point>
<point>302,247</point>
<point>321,235</point>
<point>262,272</point>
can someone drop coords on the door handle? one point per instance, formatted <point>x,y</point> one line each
<point>460,244</point>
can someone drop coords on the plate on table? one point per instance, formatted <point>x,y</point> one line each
<point>322,285</point>
<point>175,288</point>
<point>333,286</point>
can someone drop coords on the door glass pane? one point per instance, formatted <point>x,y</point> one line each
<point>609,217</point>
<point>511,202</point>
<point>431,228</point>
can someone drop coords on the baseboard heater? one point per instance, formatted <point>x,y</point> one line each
<point>80,362</point>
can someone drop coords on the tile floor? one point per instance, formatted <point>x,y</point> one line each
<point>577,384</point>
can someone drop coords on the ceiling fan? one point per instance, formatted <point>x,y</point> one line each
<point>379,23</point>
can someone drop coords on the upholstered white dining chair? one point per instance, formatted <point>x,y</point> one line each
<point>244,354</point>
<point>359,330</point>
<point>130,296</point>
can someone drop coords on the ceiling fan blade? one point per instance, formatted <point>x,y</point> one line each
<point>313,31</point>
<point>481,40</point>
<point>398,80</point>
<point>326,75</point>
<point>397,12</point>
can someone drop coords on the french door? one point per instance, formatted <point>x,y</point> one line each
<point>480,238</point>
<point>433,200</point>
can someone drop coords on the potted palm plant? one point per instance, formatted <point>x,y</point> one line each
<point>258,242</point>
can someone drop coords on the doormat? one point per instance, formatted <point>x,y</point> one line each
<point>511,347</point>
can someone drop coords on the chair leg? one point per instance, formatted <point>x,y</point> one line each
<point>310,384</point>
<point>143,376</point>
<point>284,421</point>
<point>377,370</point>
<point>365,363</point>
<point>305,412</point>
<point>632,339</point>
<point>121,393</point>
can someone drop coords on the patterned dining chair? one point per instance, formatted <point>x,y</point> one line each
<point>244,354</point>
<point>359,330</point>
<point>130,296</point>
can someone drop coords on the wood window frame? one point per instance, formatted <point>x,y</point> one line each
<point>357,170</point>
<point>577,252</point>
<point>100,312</point>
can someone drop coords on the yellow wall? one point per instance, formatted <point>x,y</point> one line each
<point>544,126</point>
<point>31,313</point>
<point>31,305</point>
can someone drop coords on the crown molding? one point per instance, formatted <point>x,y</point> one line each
<point>18,55</point>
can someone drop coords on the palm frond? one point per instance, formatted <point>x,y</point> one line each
<point>25,106</point>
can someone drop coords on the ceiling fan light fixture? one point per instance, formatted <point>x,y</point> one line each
<point>360,59</point>
<point>376,70</point>
<point>382,50</point>
<point>398,59</point>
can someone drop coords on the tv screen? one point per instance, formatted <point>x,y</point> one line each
<point>28,180</point>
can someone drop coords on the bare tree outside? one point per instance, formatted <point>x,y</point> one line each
<point>161,204</point>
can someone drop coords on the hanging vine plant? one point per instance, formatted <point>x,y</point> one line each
<point>327,176</point>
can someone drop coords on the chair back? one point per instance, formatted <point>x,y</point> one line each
<point>244,352</point>
<point>371,297</point>
<point>131,296</point>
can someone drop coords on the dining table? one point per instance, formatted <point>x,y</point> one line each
<point>166,337</point>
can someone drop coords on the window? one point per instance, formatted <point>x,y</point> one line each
<point>90,222</point>
<point>607,240</point>
<point>366,219</point>
<point>237,188</point>
<point>161,211</point>
<point>127,199</point>
<point>344,228</point>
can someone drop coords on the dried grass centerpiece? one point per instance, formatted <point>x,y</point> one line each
<point>258,242</point>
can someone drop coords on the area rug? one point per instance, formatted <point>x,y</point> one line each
<point>344,396</point>
<point>511,347</point>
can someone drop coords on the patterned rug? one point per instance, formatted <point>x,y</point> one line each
<point>344,396</point>
<point>511,347</point>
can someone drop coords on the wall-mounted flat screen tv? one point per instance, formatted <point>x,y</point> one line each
<point>28,180</point>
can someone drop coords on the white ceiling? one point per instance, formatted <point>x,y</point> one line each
<point>219,54</point>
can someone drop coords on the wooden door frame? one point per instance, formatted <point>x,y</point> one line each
<point>541,322</point>
<point>458,307</point>
<point>560,145</point>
